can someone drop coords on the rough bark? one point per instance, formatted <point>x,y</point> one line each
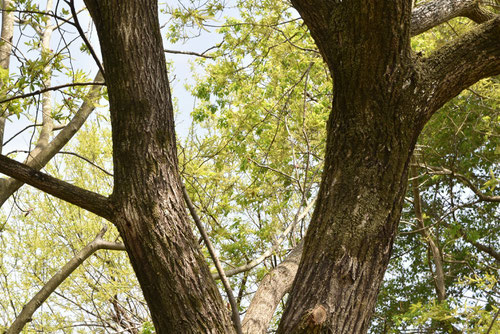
<point>383,97</point>
<point>381,101</point>
<point>435,12</point>
<point>147,197</point>
<point>370,137</point>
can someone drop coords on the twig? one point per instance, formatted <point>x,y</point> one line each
<point>71,5</point>
<point>493,322</point>
<point>189,53</point>
<point>41,91</point>
<point>73,154</point>
<point>274,170</point>
<point>87,160</point>
<point>19,132</point>
<point>51,14</point>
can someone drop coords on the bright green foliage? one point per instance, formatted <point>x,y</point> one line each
<point>47,232</point>
<point>253,158</point>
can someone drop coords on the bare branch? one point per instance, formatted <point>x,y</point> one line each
<point>87,160</point>
<point>74,14</point>
<point>56,280</point>
<point>433,13</point>
<point>85,199</point>
<point>271,290</point>
<point>189,53</point>
<point>218,266</point>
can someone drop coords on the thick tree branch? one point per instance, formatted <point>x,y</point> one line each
<point>56,280</point>
<point>40,157</point>
<point>85,199</point>
<point>461,63</point>
<point>435,12</point>
<point>486,249</point>
<point>271,290</point>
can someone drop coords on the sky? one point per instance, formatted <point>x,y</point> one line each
<point>180,75</point>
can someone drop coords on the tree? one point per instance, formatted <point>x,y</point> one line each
<point>384,95</point>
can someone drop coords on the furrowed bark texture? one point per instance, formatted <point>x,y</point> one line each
<point>436,12</point>
<point>149,206</point>
<point>382,99</point>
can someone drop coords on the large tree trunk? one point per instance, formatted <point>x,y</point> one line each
<point>370,140</point>
<point>382,98</point>
<point>147,197</point>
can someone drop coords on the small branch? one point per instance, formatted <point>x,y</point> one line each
<point>48,89</point>
<point>73,154</point>
<point>19,132</point>
<point>292,44</point>
<point>87,160</point>
<point>218,266</point>
<point>71,5</point>
<point>189,53</point>
<point>493,322</point>
<point>462,178</point>
<point>270,251</point>
<point>51,14</point>
<point>56,280</point>
<point>85,199</point>
<point>274,170</point>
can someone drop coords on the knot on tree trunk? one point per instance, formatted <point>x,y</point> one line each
<point>314,319</point>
